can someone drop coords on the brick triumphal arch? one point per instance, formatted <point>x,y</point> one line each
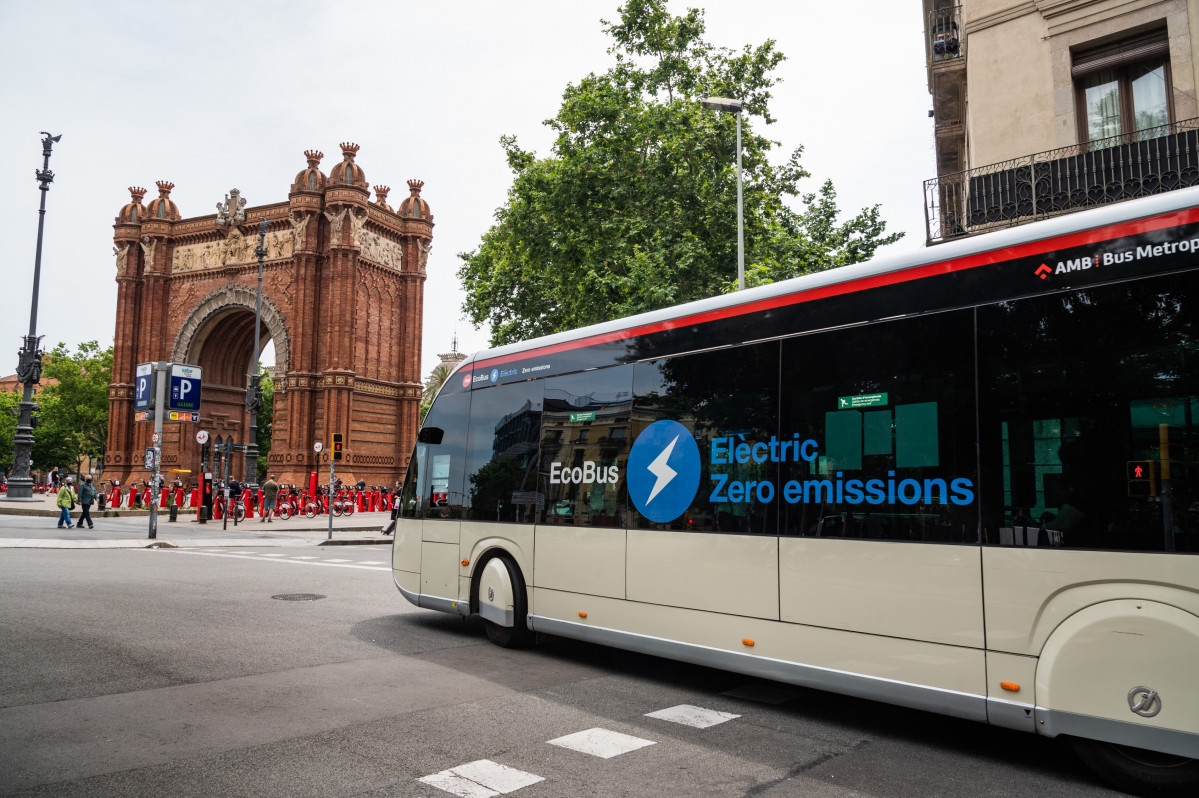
<point>342,300</point>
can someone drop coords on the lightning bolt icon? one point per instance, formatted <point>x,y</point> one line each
<point>660,469</point>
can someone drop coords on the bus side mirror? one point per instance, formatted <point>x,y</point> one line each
<point>431,435</point>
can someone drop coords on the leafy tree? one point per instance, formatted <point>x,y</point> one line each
<point>636,208</point>
<point>9,406</point>
<point>266,417</point>
<point>74,414</point>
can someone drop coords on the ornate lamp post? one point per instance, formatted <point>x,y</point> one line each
<point>29,368</point>
<point>731,106</point>
<point>254,389</point>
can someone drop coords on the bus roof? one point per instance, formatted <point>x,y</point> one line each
<point>1103,223</point>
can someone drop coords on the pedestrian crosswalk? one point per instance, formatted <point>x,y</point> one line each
<point>487,779</point>
<point>369,561</point>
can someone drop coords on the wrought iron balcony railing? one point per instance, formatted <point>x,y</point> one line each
<point>945,34</point>
<point>1062,181</point>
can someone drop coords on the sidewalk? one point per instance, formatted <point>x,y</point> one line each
<point>33,525</point>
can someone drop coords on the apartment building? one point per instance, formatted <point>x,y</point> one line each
<point>1043,107</point>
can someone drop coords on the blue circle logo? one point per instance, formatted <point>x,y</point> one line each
<point>664,471</point>
<point>495,375</point>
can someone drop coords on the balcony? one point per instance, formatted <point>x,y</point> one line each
<point>944,28</point>
<point>1062,181</point>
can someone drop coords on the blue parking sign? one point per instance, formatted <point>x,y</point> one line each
<point>185,387</point>
<point>143,395</point>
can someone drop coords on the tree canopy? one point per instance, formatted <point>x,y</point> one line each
<point>73,420</point>
<point>636,207</point>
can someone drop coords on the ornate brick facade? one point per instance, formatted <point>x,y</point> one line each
<point>342,299</point>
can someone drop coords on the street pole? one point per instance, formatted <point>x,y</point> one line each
<point>740,217</point>
<point>254,389</point>
<point>163,372</point>
<point>732,106</point>
<point>29,368</point>
<point>330,535</point>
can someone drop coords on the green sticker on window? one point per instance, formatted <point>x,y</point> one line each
<point>862,400</point>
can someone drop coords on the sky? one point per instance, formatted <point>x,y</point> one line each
<point>214,95</point>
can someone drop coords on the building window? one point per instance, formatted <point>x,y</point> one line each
<point>1124,88</point>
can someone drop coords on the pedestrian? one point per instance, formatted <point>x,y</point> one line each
<point>66,503</point>
<point>87,495</point>
<point>270,491</point>
<point>54,477</point>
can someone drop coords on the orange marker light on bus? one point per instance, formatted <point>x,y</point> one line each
<point>466,562</point>
<point>1010,686</point>
<point>747,641</point>
<point>582,614</point>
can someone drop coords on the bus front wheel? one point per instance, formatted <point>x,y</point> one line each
<point>1139,771</point>
<point>505,628</point>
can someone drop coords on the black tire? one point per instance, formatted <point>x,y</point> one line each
<point>1138,771</point>
<point>310,510</point>
<point>518,634</point>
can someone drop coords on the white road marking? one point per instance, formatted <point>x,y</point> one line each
<point>689,715</point>
<point>338,560</point>
<point>481,779</point>
<point>601,742</point>
<point>293,561</point>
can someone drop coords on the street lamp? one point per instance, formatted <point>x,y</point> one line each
<point>29,367</point>
<point>730,106</point>
<point>254,389</point>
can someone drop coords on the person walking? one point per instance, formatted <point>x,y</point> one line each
<point>270,492</point>
<point>66,503</point>
<point>87,495</point>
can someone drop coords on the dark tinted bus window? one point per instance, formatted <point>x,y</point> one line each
<point>585,446</point>
<point>501,461</point>
<point>1088,418</point>
<point>883,420</point>
<point>728,400</point>
<point>433,487</point>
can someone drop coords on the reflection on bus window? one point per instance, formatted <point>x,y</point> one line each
<point>584,447</point>
<point>890,411</point>
<point>502,453</point>
<point>725,398</point>
<point>1088,429</point>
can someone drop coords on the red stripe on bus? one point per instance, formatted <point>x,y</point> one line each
<point>1120,230</point>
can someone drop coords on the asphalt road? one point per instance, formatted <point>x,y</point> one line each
<point>174,672</point>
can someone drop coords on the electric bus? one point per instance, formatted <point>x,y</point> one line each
<point>963,479</point>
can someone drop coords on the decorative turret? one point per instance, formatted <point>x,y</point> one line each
<point>134,212</point>
<point>312,178</point>
<point>347,172</point>
<point>381,193</point>
<point>162,207</point>
<point>413,206</point>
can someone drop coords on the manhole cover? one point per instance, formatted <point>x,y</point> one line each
<point>298,597</point>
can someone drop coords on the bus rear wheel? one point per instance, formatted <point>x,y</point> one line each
<point>517,634</point>
<point>1138,771</point>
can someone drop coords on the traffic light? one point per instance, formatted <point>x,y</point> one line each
<point>335,448</point>
<point>1142,478</point>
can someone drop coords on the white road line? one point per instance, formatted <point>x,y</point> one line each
<point>375,562</point>
<point>601,742</point>
<point>338,560</point>
<point>689,715</point>
<point>294,561</point>
<point>481,779</point>
<point>265,554</point>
